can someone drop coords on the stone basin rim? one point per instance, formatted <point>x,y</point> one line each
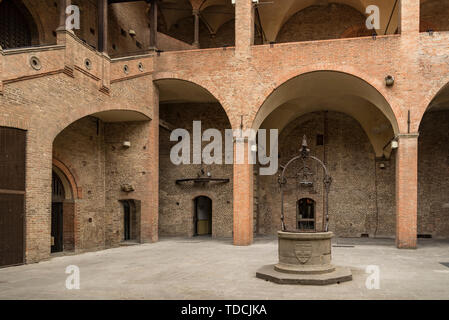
<point>305,235</point>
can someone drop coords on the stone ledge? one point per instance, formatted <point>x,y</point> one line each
<point>268,273</point>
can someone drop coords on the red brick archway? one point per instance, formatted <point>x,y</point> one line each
<point>70,232</point>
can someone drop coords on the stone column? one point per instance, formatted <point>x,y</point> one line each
<point>243,196</point>
<point>407,191</point>
<point>62,6</point>
<point>196,36</point>
<point>244,27</point>
<point>153,24</point>
<point>409,15</point>
<point>102,6</point>
<point>60,31</point>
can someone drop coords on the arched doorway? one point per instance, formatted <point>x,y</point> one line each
<point>305,218</point>
<point>57,214</point>
<point>203,216</point>
<point>102,151</point>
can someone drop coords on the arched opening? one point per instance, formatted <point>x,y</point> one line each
<point>433,15</point>
<point>433,176</point>
<point>347,123</point>
<point>57,219</point>
<point>17,26</point>
<point>62,211</point>
<point>188,106</point>
<point>308,20</point>
<point>203,216</point>
<point>109,155</point>
<point>305,219</point>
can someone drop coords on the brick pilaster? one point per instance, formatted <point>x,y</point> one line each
<point>407,191</point>
<point>409,16</point>
<point>243,197</point>
<point>244,27</point>
<point>150,213</point>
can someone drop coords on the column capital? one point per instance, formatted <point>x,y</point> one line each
<point>241,139</point>
<point>414,135</point>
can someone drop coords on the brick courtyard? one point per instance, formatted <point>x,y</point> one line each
<point>203,268</point>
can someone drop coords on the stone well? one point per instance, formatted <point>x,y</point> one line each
<point>304,258</point>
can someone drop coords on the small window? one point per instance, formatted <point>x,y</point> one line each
<point>320,140</point>
<point>306,214</point>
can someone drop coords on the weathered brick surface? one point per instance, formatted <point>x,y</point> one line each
<point>63,91</point>
<point>176,211</point>
<point>361,199</point>
<point>320,23</point>
<point>433,160</point>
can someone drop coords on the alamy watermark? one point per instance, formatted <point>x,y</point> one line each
<point>73,280</point>
<point>240,147</point>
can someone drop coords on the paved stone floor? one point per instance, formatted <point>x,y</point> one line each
<point>203,268</point>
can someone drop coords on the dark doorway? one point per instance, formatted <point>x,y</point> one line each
<point>306,214</point>
<point>203,216</point>
<point>12,195</point>
<point>56,227</point>
<point>127,221</point>
<point>57,221</point>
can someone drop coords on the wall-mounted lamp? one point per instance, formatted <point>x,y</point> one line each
<point>389,81</point>
<point>132,33</point>
<point>127,144</point>
<point>394,144</point>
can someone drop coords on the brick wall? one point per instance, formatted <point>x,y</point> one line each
<point>94,152</point>
<point>125,166</point>
<point>176,201</point>
<point>361,199</point>
<point>433,182</point>
<point>320,23</point>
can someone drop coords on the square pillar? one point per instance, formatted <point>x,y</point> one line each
<point>149,221</point>
<point>102,25</point>
<point>243,195</point>
<point>153,24</point>
<point>407,191</point>
<point>244,27</point>
<point>409,15</point>
<point>196,28</point>
<point>60,31</point>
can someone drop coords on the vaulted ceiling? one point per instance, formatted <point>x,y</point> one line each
<point>273,13</point>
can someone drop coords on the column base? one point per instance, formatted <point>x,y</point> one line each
<point>340,274</point>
